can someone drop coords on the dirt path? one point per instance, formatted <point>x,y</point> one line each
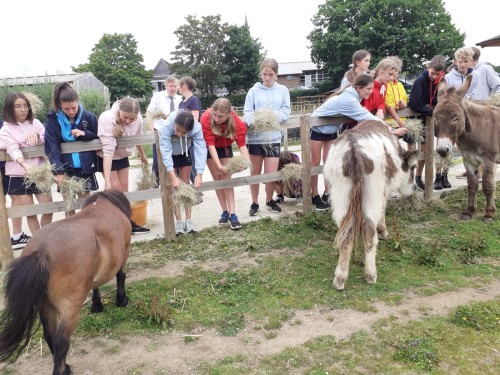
<point>168,352</point>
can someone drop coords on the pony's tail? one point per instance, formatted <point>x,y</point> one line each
<point>351,225</point>
<point>25,291</point>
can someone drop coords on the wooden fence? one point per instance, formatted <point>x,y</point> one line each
<point>304,122</point>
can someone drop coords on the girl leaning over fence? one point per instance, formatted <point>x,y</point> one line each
<point>122,119</point>
<point>177,157</point>
<point>22,129</point>
<point>69,122</point>
<point>221,127</point>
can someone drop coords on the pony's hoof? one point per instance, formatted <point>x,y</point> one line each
<point>465,216</point>
<point>487,219</point>
<point>371,279</point>
<point>122,302</point>
<point>68,370</point>
<point>383,236</point>
<point>338,283</point>
<point>96,308</point>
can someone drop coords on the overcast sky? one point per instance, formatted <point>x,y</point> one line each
<point>49,36</point>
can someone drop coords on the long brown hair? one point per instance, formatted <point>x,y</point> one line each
<point>359,55</point>
<point>9,114</point>
<point>223,105</point>
<point>128,105</point>
<point>361,80</point>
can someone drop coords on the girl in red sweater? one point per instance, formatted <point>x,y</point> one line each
<point>221,127</point>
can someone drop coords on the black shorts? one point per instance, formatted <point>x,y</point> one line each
<point>5,181</point>
<point>181,160</point>
<point>315,136</point>
<point>116,165</point>
<point>17,187</point>
<point>222,152</point>
<point>270,150</point>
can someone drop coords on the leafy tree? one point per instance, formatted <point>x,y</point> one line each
<point>116,63</point>
<point>241,58</point>
<point>414,30</point>
<point>200,50</point>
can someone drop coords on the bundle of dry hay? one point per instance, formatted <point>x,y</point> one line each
<point>184,196</point>
<point>156,114</point>
<point>265,120</point>
<point>147,179</point>
<point>41,176</point>
<point>70,189</point>
<point>35,102</point>
<point>493,100</point>
<point>445,162</point>
<point>415,129</point>
<point>238,164</point>
<point>290,174</point>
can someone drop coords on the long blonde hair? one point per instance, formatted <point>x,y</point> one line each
<point>223,105</point>
<point>128,105</point>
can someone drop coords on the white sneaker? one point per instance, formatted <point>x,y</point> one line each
<point>189,227</point>
<point>179,227</point>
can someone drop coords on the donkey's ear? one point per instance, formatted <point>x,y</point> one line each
<point>465,86</point>
<point>442,87</point>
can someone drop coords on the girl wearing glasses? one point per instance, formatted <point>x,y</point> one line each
<point>21,129</point>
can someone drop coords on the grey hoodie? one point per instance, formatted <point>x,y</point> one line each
<point>455,79</point>
<point>489,81</point>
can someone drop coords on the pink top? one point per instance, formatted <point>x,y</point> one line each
<point>107,121</point>
<point>13,137</point>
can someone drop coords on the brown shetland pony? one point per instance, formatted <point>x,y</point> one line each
<point>57,269</point>
<point>475,128</point>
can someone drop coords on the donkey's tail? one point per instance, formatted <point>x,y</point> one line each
<point>351,226</point>
<point>25,291</point>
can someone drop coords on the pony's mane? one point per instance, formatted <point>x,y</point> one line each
<point>116,197</point>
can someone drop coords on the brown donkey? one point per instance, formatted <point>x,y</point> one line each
<point>475,128</point>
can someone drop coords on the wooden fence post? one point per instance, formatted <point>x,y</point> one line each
<point>6,253</point>
<point>306,163</point>
<point>166,194</point>
<point>429,161</point>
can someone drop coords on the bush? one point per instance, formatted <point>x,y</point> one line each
<point>93,101</point>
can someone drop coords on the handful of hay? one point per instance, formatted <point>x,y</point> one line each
<point>35,102</point>
<point>70,189</point>
<point>265,120</point>
<point>237,164</point>
<point>493,100</point>
<point>414,128</point>
<point>156,114</point>
<point>41,176</point>
<point>147,179</point>
<point>184,196</point>
<point>445,162</point>
<point>290,175</point>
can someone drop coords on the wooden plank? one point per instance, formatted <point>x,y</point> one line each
<point>428,155</point>
<point>148,138</point>
<point>306,164</point>
<point>166,194</point>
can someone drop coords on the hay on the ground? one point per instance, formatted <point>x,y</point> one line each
<point>238,164</point>
<point>147,179</point>
<point>184,196</point>
<point>415,129</point>
<point>42,177</point>
<point>493,100</point>
<point>35,102</point>
<point>265,120</point>
<point>70,189</point>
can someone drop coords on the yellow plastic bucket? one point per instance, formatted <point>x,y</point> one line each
<point>139,212</point>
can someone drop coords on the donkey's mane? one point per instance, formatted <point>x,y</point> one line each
<point>116,197</point>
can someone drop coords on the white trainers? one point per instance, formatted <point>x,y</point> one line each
<point>179,227</point>
<point>189,227</point>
